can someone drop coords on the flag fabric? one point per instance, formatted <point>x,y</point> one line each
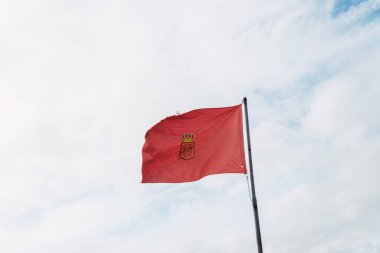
<point>190,146</point>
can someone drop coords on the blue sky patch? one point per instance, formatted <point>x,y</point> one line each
<point>373,15</point>
<point>341,6</point>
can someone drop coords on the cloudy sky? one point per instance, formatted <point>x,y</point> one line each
<point>82,81</point>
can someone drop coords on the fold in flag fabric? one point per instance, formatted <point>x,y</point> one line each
<point>193,145</point>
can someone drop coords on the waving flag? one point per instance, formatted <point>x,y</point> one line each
<point>193,145</point>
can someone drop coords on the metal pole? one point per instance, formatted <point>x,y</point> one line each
<point>254,201</point>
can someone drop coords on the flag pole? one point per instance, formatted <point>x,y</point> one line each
<point>254,200</point>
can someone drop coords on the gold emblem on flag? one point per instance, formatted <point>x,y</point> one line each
<point>187,147</point>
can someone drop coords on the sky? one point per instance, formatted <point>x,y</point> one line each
<point>82,81</point>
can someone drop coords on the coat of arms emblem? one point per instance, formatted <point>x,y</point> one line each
<point>187,147</point>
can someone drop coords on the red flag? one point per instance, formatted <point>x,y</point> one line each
<point>193,145</point>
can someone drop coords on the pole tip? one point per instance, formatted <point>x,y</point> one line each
<point>245,99</point>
